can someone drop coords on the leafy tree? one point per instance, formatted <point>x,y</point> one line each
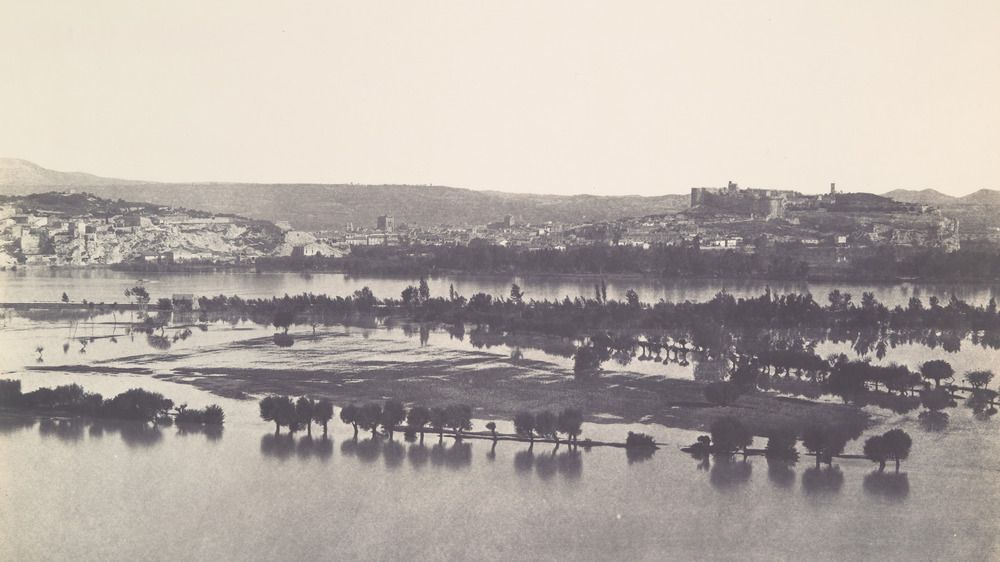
<point>875,450</point>
<point>781,445</point>
<point>438,420</point>
<point>516,294</point>
<point>639,441</point>
<point>283,319</point>
<point>304,408</point>
<point>323,413</point>
<point>393,414</point>
<point>825,442</point>
<point>937,370</point>
<point>632,299</point>
<point>492,426</point>
<point>546,425</point>
<point>269,411</point>
<point>459,418</point>
<point>524,425</point>
<point>137,404</point>
<point>979,379</point>
<point>571,423</point>
<point>213,415</point>
<point>424,292</point>
<point>417,418</point>
<point>729,435</point>
<point>369,417</point>
<point>349,415</point>
<point>898,444</point>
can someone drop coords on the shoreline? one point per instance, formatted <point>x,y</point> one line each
<point>251,270</point>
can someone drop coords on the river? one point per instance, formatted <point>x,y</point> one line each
<point>74,489</point>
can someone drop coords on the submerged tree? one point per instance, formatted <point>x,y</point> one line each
<point>459,418</point>
<point>937,370</point>
<point>323,413</point>
<point>349,415</point>
<point>546,425</point>
<point>304,413</point>
<point>729,435</point>
<point>438,421</point>
<point>393,414</point>
<point>417,418</point>
<point>824,442</point>
<point>571,423</point>
<point>524,425</point>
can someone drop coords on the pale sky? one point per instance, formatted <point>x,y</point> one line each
<point>642,97</point>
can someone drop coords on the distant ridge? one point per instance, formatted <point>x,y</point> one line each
<point>989,197</point>
<point>320,206</point>
<point>15,172</point>
<point>926,196</point>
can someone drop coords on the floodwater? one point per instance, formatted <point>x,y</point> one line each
<point>78,489</point>
<point>101,285</point>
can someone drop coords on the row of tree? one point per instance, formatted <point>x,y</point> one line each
<point>728,436</point>
<point>135,404</point>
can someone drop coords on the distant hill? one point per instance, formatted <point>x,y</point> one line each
<point>318,207</point>
<point>21,173</point>
<point>978,213</point>
<point>988,197</point>
<point>926,197</point>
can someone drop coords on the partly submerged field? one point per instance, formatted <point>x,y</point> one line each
<point>353,365</point>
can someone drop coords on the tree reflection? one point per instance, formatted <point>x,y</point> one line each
<point>545,465</point>
<point>571,464</point>
<point>368,450</point>
<point>933,420</point>
<point>891,486</point>
<point>524,461</point>
<point>394,453</point>
<point>459,455</point>
<point>639,454</point>
<point>65,430</point>
<point>14,424</point>
<point>140,434</point>
<point>418,455</point>
<point>727,472</point>
<point>304,447</point>
<point>818,481</point>
<point>780,472</point>
<point>278,446</point>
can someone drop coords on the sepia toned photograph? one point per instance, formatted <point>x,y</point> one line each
<point>551,280</point>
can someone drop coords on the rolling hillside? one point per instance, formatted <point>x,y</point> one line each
<point>316,207</point>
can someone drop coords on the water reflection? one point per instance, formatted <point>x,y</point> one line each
<point>780,472</point>
<point>524,461</point>
<point>891,486</point>
<point>933,420</point>
<point>727,473</point>
<point>66,430</point>
<point>212,432</point>
<point>394,454</point>
<point>14,424</point>
<point>639,454</point>
<point>818,481</point>
<point>279,446</point>
<point>568,464</point>
<point>418,455</point>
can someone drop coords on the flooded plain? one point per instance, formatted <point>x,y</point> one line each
<point>99,490</point>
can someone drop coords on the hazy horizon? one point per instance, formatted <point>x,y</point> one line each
<point>563,98</point>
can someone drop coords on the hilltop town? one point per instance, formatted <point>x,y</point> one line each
<point>81,229</point>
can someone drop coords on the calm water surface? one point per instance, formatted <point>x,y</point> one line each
<point>74,489</point>
<point>99,285</point>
